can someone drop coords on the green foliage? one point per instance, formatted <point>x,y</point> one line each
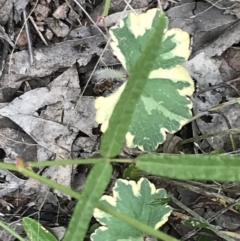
<point>134,200</point>
<point>159,94</point>
<point>11,231</point>
<point>187,167</point>
<point>206,226</point>
<point>121,117</point>
<point>135,223</point>
<point>205,237</point>
<point>137,208</point>
<point>89,199</point>
<point>35,231</point>
<point>131,173</point>
<point>217,152</point>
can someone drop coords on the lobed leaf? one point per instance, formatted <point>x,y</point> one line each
<point>133,199</point>
<point>163,105</point>
<point>120,118</point>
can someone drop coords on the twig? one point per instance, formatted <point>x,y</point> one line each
<point>212,5</point>
<point>89,17</point>
<point>218,214</point>
<point>19,142</point>
<point>4,57</point>
<point>224,132</point>
<point>130,7</point>
<point>222,211</point>
<point>29,40</point>
<point>202,220</point>
<point>216,6</point>
<point>193,188</point>
<point>11,55</point>
<point>205,136</point>
<point>36,27</point>
<point>90,77</point>
<point>221,85</point>
<point>213,109</point>
<point>6,43</point>
<point>76,15</point>
<point>11,32</point>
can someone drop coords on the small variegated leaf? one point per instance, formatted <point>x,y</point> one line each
<point>131,198</point>
<point>164,105</point>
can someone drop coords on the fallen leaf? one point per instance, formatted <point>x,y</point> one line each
<point>51,58</point>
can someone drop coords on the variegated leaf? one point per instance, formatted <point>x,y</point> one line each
<point>164,105</point>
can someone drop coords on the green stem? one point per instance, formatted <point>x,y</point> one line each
<point>136,224</point>
<point>197,138</point>
<point>50,183</point>
<point>8,166</point>
<point>133,222</point>
<point>233,142</point>
<point>73,161</point>
<point>106,8</point>
<point>11,231</point>
<point>202,220</point>
<point>213,109</point>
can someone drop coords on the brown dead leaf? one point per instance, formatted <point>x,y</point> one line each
<point>41,12</point>
<point>19,6</point>
<point>61,11</point>
<point>58,27</point>
<point>206,73</point>
<point>170,145</point>
<point>6,8</point>
<point>51,58</point>
<point>17,143</point>
<point>46,133</point>
<point>232,56</point>
<point>196,19</point>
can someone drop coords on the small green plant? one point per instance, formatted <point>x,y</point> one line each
<point>133,199</point>
<point>132,96</point>
<point>163,105</point>
<point>36,232</point>
<point>131,173</point>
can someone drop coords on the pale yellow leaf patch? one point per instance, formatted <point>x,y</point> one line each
<point>105,106</point>
<point>139,24</point>
<point>178,73</point>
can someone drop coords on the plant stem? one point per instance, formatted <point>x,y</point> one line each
<point>11,231</point>
<point>202,220</point>
<point>213,109</point>
<point>197,138</point>
<point>135,223</point>
<point>106,8</point>
<point>73,161</point>
<point>50,183</point>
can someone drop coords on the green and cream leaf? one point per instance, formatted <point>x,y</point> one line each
<point>164,105</point>
<point>133,199</point>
